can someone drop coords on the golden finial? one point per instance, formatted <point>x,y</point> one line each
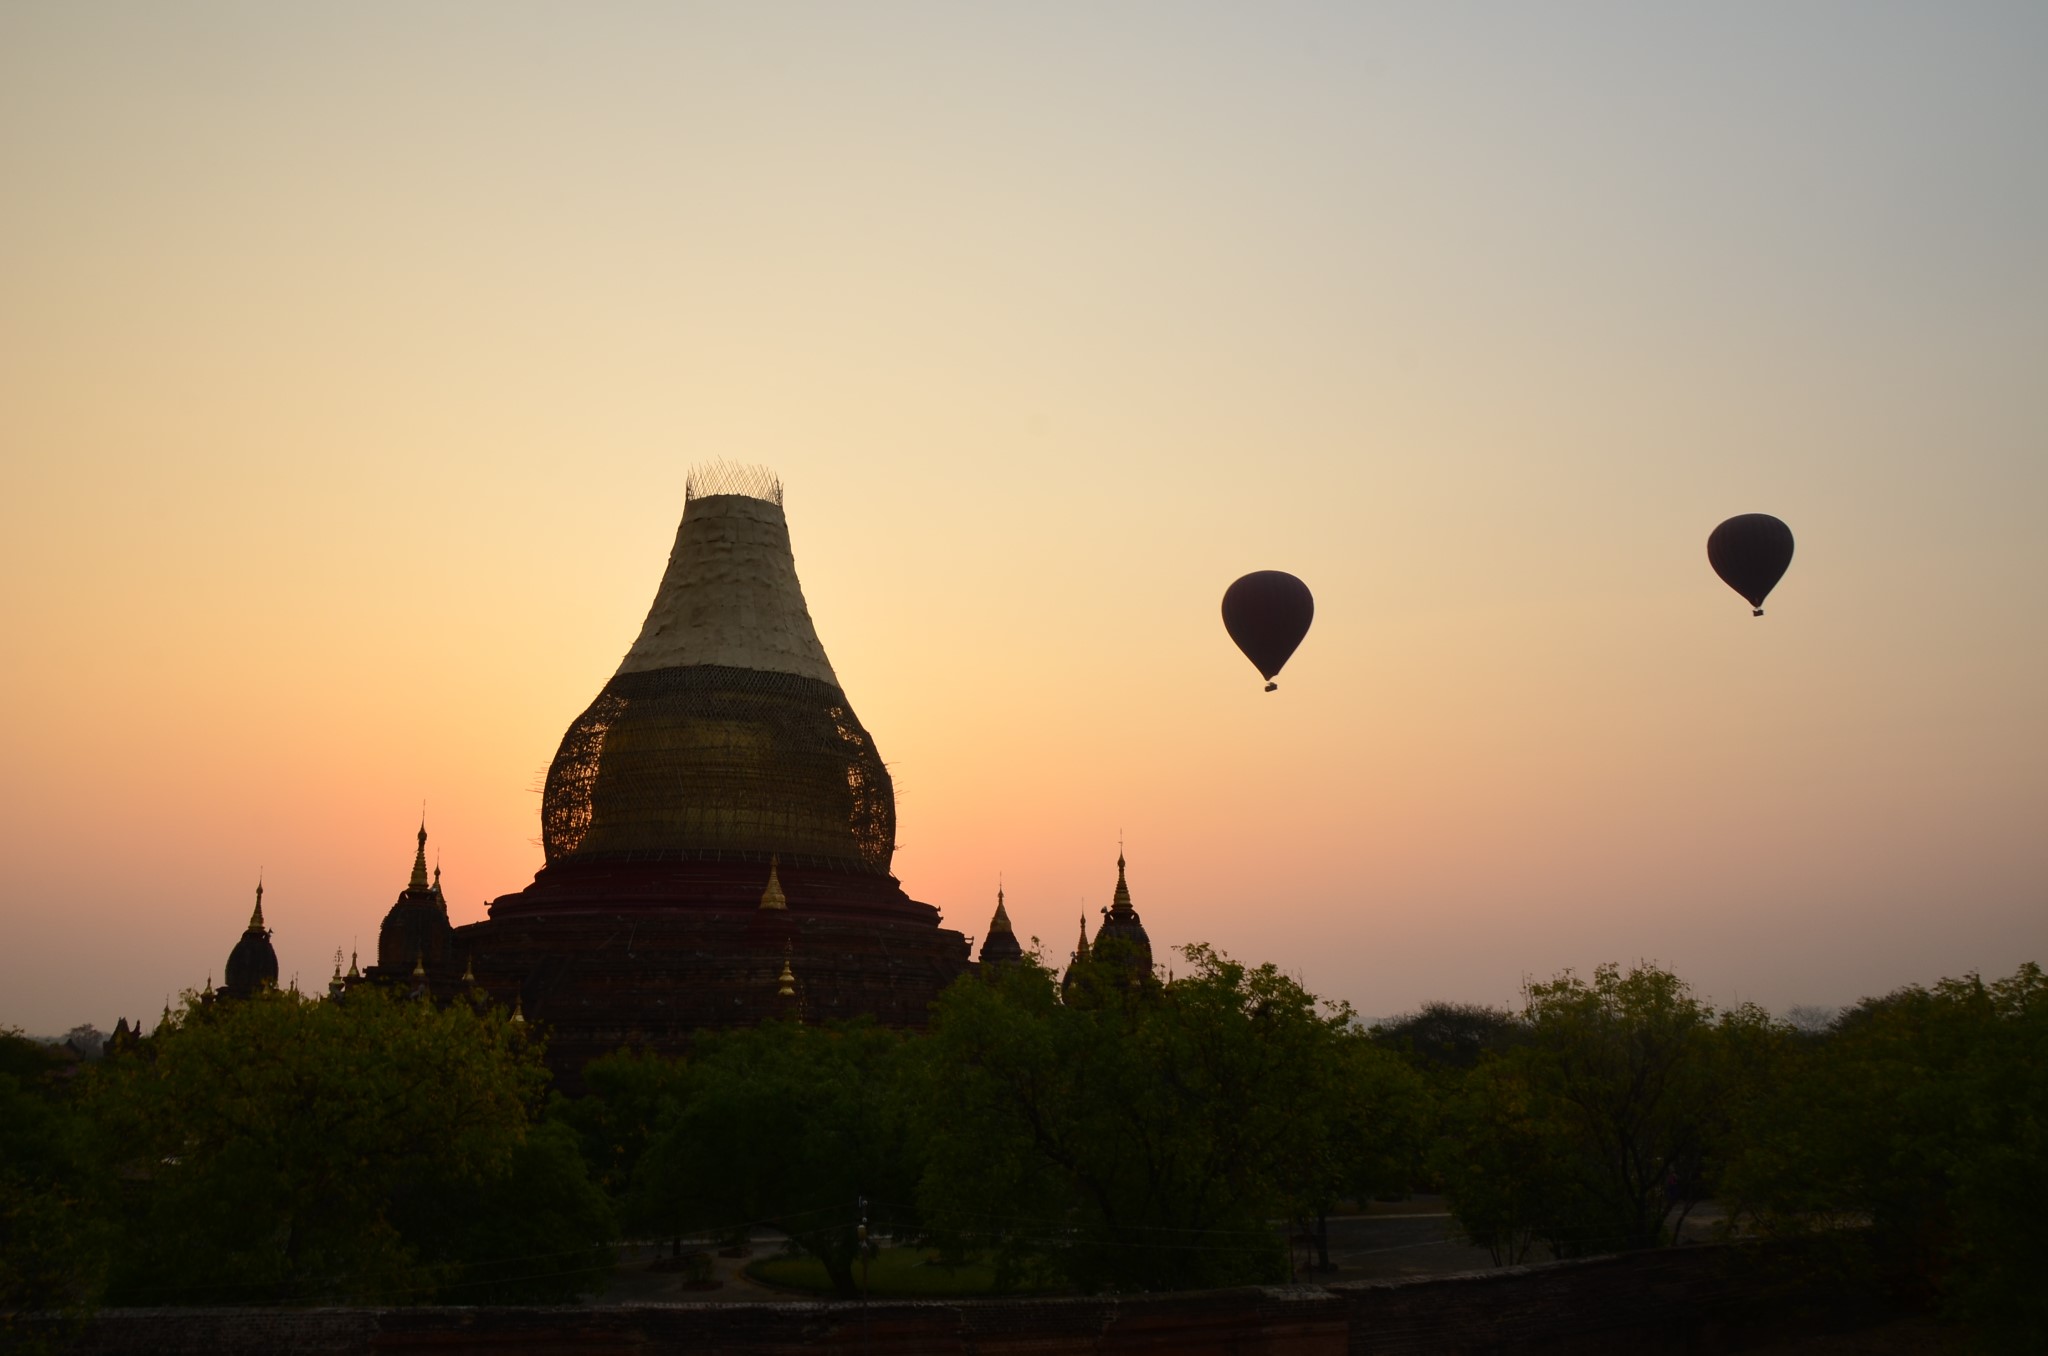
<point>772,897</point>
<point>256,918</point>
<point>419,965</point>
<point>468,970</point>
<point>518,1012</point>
<point>353,973</point>
<point>787,979</point>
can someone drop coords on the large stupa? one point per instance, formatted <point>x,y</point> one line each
<point>718,825</point>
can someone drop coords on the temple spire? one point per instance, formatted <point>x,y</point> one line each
<point>1000,946</point>
<point>256,917</point>
<point>419,859</point>
<point>772,897</point>
<point>1121,902</point>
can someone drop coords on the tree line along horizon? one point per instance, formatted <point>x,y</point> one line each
<point>1105,1131</point>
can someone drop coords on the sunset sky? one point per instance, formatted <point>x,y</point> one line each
<point>353,357</point>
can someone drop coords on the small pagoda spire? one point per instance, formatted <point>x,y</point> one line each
<point>353,973</point>
<point>468,970</point>
<point>518,1017</point>
<point>336,984</point>
<point>772,897</point>
<point>787,979</point>
<point>1000,946</point>
<point>419,965</point>
<point>419,858</point>
<point>437,871</point>
<point>1081,948</point>
<point>1121,901</point>
<point>256,917</point>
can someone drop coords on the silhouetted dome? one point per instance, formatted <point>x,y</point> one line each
<point>416,926</point>
<point>1121,939</point>
<point>252,965</point>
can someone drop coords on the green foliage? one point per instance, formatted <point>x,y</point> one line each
<point>53,1248</point>
<point>537,1233</point>
<point>1925,1112</point>
<point>633,1097</point>
<point>1503,1161</point>
<point>791,1127</point>
<point>1614,1114</point>
<point>1146,1138</point>
<point>281,1149</point>
<point>1450,1037</point>
<point>1132,1135</point>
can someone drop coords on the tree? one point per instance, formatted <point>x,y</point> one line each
<point>1450,1036</point>
<point>1925,1112</point>
<point>1616,1114</point>
<point>1503,1161</point>
<point>53,1245</point>
<point>1358,1131</point>
<point>789,1127</point>
<point>1142,1137</point>
<point>281,1149</point>
<point>633,1098</point>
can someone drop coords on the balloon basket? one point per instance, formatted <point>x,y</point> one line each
<point>1272,687</point>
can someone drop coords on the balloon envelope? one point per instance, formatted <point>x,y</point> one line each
<point>1750,552</point>
<point>1267,613</point>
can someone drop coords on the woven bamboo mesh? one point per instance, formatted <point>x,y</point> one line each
<point>712,762</point>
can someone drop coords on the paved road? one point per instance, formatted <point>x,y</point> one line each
<point>1370,1246</point>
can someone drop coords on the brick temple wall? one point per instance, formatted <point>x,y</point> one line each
<point>1693,1300</point>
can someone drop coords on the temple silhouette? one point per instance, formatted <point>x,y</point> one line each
<point>718,829</point>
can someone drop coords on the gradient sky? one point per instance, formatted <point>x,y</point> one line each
<point>352,359</point>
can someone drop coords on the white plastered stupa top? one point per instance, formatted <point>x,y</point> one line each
<point>730,596</point>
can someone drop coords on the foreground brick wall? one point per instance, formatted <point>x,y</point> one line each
<point>1695,1300</point>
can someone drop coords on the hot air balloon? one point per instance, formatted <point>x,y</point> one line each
<point>1750,552</point>
<point>1267,613</point>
